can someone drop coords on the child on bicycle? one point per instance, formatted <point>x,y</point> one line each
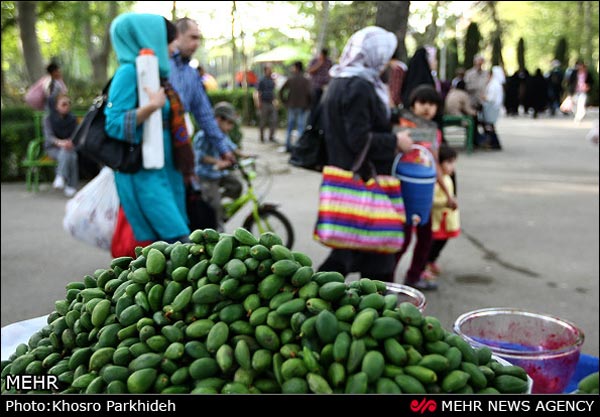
<point>212,170</point>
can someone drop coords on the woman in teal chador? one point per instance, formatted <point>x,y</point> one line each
<point>153,199</point>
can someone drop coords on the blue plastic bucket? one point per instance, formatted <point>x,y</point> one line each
<point>417,173</point>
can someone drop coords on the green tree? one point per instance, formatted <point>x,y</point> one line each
<point>270,38</point>
<point>521,53</point>
<point>451,58</point>
<point>472,41</point>
<point>543,23</point>
<point>345,19</point>
<point>560,52</point>
<point>432,29</point>
<point>588,32</point>
<point>96,17</point>
<point>75,34</point>
<point>497,50</point>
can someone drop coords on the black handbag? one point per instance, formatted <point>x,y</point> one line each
<point>91,140</point>
<point>310,150</point>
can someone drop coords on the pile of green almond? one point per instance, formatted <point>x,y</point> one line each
<point>588,385</point>
<point>236,313</point>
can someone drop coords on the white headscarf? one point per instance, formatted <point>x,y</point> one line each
<point>494,92</point>
<point>498,74</point>
<point>365,55</point>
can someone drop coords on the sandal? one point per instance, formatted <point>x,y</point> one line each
<point>424,285</point>
<point>433,268</point>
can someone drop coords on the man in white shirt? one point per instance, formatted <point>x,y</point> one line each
<point>476,80</point>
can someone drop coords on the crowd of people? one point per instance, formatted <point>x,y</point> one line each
<point>559,90</point>
<point>368,93</point>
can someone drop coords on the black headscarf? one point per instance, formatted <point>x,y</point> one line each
<point>419,72</point>
<point>63,126</point>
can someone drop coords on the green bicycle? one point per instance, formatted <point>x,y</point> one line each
<point>264,217</point>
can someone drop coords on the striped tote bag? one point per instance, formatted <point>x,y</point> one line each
<point>360,215</point>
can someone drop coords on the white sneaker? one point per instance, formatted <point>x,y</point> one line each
<point>59,182</point>
<point>70,191</point>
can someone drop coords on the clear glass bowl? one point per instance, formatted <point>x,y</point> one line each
<point>546,347</point>
<point>406,293</point>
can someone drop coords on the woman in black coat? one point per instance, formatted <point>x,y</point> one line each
<point>511,97</point>
<point>537,90</point>
<point>356,105</point>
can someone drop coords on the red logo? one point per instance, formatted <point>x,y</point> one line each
<point>423,405</point>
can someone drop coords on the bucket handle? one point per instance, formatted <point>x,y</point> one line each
<point>414,146</point>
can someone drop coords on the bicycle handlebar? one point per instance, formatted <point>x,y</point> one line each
<point>242,165</point>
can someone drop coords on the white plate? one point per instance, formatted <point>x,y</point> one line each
<point>16,333</point>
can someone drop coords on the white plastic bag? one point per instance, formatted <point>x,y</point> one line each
<point>567,105</point>
<point>91,215</point>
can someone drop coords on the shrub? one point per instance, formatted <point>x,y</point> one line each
<point>16,132</point>
<point>236,97</point>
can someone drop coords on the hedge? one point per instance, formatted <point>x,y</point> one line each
<point>16,132</point>
<point>236,97</point>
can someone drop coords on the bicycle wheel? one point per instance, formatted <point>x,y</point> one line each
<point>274,221</point>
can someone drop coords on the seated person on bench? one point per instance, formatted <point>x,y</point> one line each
<point>459,103</point>
<point>59,126</point>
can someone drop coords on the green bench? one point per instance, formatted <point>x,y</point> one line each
<point>36,158</point>
<point>465,122</point>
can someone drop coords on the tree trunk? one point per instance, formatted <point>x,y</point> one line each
<point>98,56</point>
<point>431,31</point>
<point>27,19</point>
<point>100,63</point>
<point>245,105</point>
<point>233,45</point>
<point>443,63</point>
<point>587,33</point>
<point>579,47</point>
<point>322,26</point>
<point>393,16</point>
<point>495,19</point>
